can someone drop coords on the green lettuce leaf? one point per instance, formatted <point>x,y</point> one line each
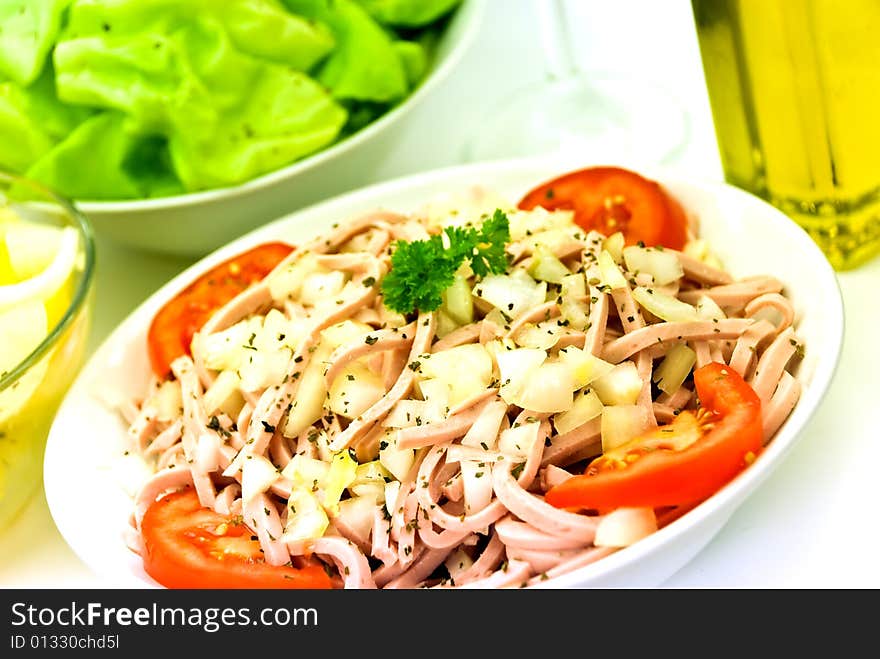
<point>265,29</point>
<point>365,65</point>
<point>143,98</point>
<point>33,121</point>
<point>414,58</point>
<point>286,116</point>
<point>408,13</point>
<point>89,164</point>
<point>176,69</point>
<point>28,29</point>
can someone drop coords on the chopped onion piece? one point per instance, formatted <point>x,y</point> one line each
<point>664,306</point>
<point>306,519</point>
<point>320,286</point>
<point>168,403</point>
<point>516,367</point>
<point>371,472</point>
<point>223,350</point>
<point>354,390</point>
<point>437,394</point>
<point>396,460</point>
<point>449,365</point>
<point>308,405</point>
<point>345,332</point>
<point>373,490</point>
<point>585,366</point>
<point>610,273</point>
<point>574,308</point>
<point>517,442</point>
<point>620,386</point>
<point>342,472</point>
<point>458,302</point>
<point>708,308</point>
<point>548,389</point>
<point>543,336</point>
<point>392,489</point>
<point>305,471</point>
<point>477,484</point>
<point>513,293</point>
<point>356,514</point>
<point>624,526</point>
<point>613,244</point>
<point>699,249</point>
<point>674,368</point>
<point>662,265</point>
<point>621,423</point>
<point>546,267</point>
<point>404,414</point>
<point>257,476</point>
<point>586,407</point>
<point>224,395</point>
<point>458,562</point>
<point>286,282</point>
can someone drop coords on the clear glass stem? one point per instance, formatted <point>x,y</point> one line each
<point>555,39</point>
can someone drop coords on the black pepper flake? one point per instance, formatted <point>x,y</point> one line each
<point>370,340</point>
<point>369,282</point>
<point>268,427</point>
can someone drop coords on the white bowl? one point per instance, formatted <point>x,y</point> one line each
<point>751,237</point>
<point>196,223</point>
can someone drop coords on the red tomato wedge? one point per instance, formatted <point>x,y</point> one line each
<point>172,329</point>
<point>611,199</point>
<point>681,463</point>
<point>187,546</point>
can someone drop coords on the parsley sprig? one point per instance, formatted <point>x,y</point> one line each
<point>422,269</point>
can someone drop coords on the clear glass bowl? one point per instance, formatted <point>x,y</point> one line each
<point>32,389</point>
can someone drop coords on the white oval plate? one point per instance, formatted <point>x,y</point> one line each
<point>85,486</point>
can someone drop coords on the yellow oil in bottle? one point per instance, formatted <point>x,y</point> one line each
<point>794,87</point>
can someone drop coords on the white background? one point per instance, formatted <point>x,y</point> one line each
<point>813,523</point>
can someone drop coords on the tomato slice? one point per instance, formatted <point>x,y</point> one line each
<point>611,199</point>
<point>172,329</point>
<point>187,546</point>
<point>681,463</point>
